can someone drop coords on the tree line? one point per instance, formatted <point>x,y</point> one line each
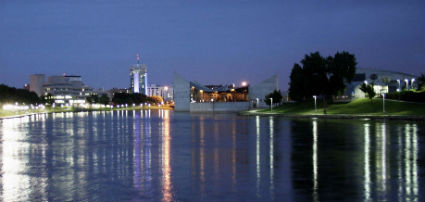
<point>12,95</point>
<point>324,77</point>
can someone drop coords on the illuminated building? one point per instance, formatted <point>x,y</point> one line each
<point>67,89</point>
<point>195,97</point>
<point>166,92</point>
<point>139,77</point>
<point>384,82</point>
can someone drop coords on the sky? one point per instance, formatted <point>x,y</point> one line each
<point>209,41</point>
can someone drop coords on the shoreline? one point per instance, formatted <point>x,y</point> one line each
<point>79,110</point>
<point>338,116</point>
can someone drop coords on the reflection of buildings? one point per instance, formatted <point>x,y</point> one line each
<point>375,163</point>
<point>192,96</point>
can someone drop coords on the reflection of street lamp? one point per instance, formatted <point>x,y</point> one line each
<point>407,83</point>
<point>398,81</point>
<point>315,108</point>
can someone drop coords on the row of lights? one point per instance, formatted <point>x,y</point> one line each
<point>17,107</point>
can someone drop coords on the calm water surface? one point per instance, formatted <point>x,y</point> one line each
<point>168,156</point>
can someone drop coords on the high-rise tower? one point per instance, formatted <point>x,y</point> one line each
<point>139,77</point>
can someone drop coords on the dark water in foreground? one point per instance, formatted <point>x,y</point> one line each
<point>168,156</point>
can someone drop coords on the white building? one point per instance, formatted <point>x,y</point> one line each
<point>36,83</point>
<point>166,92</point>
<point>384,81</point>
<point>67,89</point>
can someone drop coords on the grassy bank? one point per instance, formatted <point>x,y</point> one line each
<point>356,107</point>
<point>9,113</point>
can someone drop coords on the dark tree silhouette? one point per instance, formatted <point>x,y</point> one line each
<point>12,95</point>
<point>324,77</point>
<point>277,98</point>
<point>368,90</point>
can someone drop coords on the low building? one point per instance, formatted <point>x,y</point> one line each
<point>195,97</point>
<point>67,89</point>
<point>384,81</point>
<point>166,92</point>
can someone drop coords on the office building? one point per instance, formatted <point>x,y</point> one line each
<point>139,77</point>
<point>67,89</point>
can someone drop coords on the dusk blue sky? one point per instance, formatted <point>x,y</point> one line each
<point>210,41</point>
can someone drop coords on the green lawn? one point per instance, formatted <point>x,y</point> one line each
<point>356,107</point>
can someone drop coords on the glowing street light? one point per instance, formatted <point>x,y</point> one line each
<point>271,104</point>
<point>315,107</point>
<point>244,83</point>
<point>365,82</point>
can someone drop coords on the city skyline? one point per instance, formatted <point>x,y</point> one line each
<point>212,42</point>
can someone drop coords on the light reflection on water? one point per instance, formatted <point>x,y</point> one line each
<point>160,155</point>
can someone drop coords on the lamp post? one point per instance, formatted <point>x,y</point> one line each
<point>383,102</point>
<point>271,104</point>
<point>315,107</point>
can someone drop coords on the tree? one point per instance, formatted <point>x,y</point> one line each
<point>296,84</point>
<point>12,95</point>
<point>421,81</point>
<point>157,99</point>
<point>47,99</point>
<point>130,98</point>
<point>368,90</point>
<point>92,98</point>
<point>104,99</point>
<point>324,77</point>
<point>275,95</point>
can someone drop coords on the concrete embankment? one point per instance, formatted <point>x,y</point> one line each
<point>337,116</point>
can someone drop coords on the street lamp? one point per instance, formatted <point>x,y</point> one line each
<point>315,107</point>
<point>271,104</point>
<point>407,83</point>
<point>365,82</point>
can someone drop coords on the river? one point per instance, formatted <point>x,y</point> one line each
<point>161,155</point>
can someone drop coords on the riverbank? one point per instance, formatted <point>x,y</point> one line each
<point>7,114</point>
<point>361,108</point>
